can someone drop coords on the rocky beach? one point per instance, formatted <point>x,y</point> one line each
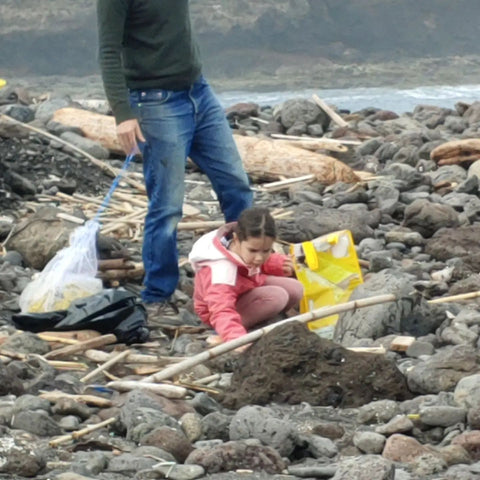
<point>392,394</point>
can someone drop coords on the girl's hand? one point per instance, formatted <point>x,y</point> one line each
<point>287,267</point>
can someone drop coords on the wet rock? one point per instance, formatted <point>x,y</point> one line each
<point>400,448</point>
<point>237,455</point>
<point>409,314</point>
<point>89,464</point>
<point>369,442</point>
<point>36,422</point>
<point>169,439</point>
<point>318,447</point>
<point>89,146</point>
<point>18,457</point>
<point>45,110</point>
<point>442,416</point>
<point>68,406</point>
<point>380,411</point>
<point>216,425</point>
<point>426,217</point>
<point>9,384</point>
<point>312,221</point>
<point>443,370</point>
<point>467,391</point>
<point>26,343</point>
<point>180,472</point>
<point>449,242</point>
<point>192,426</point>
<point>128,464</point>
<point>260,423</point>
<point>301,110</point>
<point>34,373</point>
<point>470,441</point>
<point>398,424</point>
<point>365,468</point>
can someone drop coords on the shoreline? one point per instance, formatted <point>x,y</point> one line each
<point>401,74</point>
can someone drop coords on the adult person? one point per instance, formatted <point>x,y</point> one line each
<point>164,107</point>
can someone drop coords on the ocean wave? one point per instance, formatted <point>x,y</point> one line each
<point>354,99</point>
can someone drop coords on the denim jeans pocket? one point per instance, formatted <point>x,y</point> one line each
<point>147,103</point>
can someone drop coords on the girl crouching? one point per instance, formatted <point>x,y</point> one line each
<point>239,282</point>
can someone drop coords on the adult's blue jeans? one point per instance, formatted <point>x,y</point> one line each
<point>176,125</point>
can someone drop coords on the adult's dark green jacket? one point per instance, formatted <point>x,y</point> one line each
<point>144,44</point>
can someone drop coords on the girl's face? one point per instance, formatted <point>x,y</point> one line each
<point>254,251</point>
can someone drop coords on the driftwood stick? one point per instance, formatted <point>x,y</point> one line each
<point>281,184</point>
<point>71,337</point>
<point>330,112</point>
<point>133,199</point>
<point>166,390</point>
<point>200,225</point>
<point>115,263</point>
<point>81,433</point>
<point>137,215</point>
<point>61,365</point>
<point>314,144</point>
<point>101,341</point>
<point>282,136</point>
<point>256,334</point>
<point>456,298</point>
<point>56,395</point>
<point>207,380</point>
<point>123,274</point>
<point>98,201</point>
<point>14,355</point>
<point>101,356</point>
<point>106,365</point>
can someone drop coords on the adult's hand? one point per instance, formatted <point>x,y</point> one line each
<point>128,132</point>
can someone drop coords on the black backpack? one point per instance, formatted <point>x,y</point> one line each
<point>114,311</point>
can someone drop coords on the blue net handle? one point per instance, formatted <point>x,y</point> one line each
<point>114,185</point>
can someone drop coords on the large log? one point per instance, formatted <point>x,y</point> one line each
<point>94,126</point>
<point>456,151</point>
<point>261,156</point>
<point>267,158</point>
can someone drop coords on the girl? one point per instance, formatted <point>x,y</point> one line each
<point>239,282</point>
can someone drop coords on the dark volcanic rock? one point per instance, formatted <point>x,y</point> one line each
<point>312,221</point>
<point>237,455</point>
<point>454,242</point>
<point>293,365</point>
<point>9,384</point>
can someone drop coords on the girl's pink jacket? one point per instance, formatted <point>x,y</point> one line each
<point>221,278</point>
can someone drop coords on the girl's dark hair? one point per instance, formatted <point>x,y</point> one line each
<point>255,222</point>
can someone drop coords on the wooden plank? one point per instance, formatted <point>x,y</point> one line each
<point>82,346</point>
<point>401,343</point>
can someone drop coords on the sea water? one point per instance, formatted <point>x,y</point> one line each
<point>354,99</point>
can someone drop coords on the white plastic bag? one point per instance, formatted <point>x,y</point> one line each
<point>69,275</point>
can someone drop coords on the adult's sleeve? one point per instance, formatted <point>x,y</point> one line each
<point>111,18</point>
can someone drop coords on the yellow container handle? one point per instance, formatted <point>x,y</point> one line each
<point>2,82</point>
<point>311,258</point>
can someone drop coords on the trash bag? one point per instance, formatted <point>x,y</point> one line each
<point>329,271</point>
<point>69,275</point>
<point>114,311</point>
